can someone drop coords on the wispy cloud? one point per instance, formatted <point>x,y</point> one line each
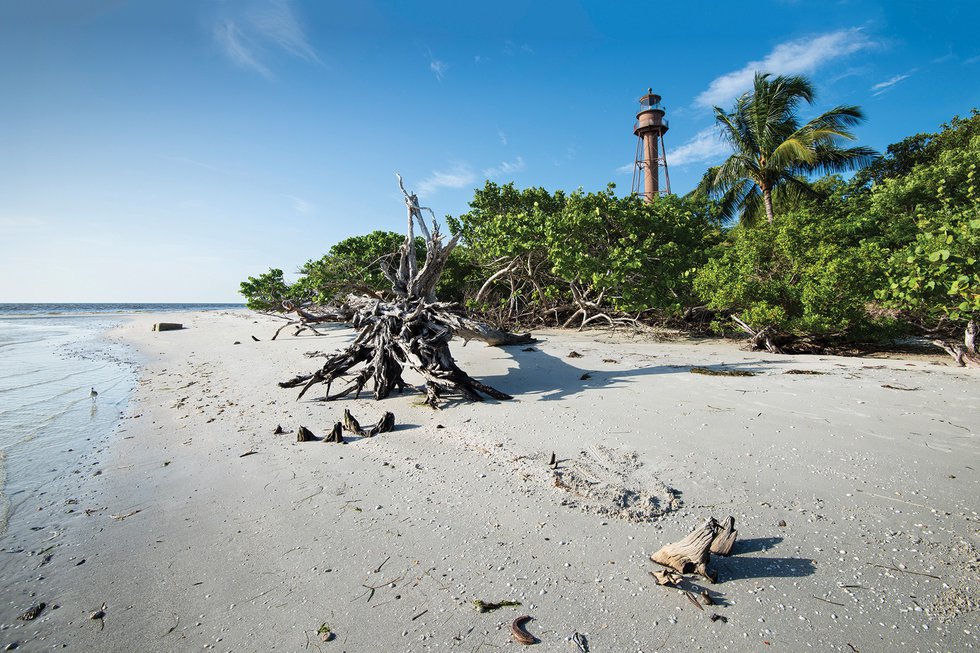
<point>459,175</point>
<point>706,145</point>
<point>505,168</point>
<point>971,60</point>
<point>884,86</point>
<point>793,57</point>
<point>235,46</point>
<point>278,24</point>
<point>245,39</point>
<point>511,48</point>
<point>503,136</point>
<point>299,204</point>
<point>438,67</point>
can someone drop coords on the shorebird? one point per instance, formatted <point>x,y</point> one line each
<point>93,394</point>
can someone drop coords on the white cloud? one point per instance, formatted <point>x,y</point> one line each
<point>972,60</point>
<point>278,24</point>
<point>706,145</point>
<point>233,44</point>
<point>790,58</point>
<point>503,136</point>
<point>626,169</point>
<point>881,87</point>
<point>271,24</point>
<point>459,176</point>
<point>439,68</point>
<point>505,168</point>
<point>299,204</point>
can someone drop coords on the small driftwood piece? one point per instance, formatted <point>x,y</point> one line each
<point>351,424</point>
<point>667,577</point>
<point>32,613</point>
<point>336,434</point>
<point>725,538</point>
<point>385,424</point>
<point>304,434</point>
<point>690,554</point>
<point>519,631</point>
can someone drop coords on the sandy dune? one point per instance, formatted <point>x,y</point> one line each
<point>871,465</point>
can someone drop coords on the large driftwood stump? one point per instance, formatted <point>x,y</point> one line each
<point>725,538</point>
<point>413,329</point>
<point>691,554</point>
<point>965,355</point>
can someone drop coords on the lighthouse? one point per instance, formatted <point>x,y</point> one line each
<point>649,128</point>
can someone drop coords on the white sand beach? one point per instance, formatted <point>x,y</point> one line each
<point>871,465</point>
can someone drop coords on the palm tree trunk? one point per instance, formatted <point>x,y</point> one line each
<point>767,199</point>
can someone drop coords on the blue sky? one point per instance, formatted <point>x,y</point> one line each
<point>163,151</point>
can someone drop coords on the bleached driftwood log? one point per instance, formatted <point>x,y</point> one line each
<point>725,538</point>
<point>691,554</point>
<point>965,355</point>
<point>413,329</point>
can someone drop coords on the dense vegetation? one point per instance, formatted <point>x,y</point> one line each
<point>893,249</point>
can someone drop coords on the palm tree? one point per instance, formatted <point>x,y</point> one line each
<point>773,152</point>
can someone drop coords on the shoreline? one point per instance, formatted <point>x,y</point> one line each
<point>192,546</point>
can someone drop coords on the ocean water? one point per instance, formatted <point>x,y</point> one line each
<point>51,357</point>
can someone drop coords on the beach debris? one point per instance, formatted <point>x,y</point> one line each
<point>707,371</point>
<point>574,354</point>
<point>128,514</point>
<point>412,329</point>
<point>336,434</point>
<point>167,326</point>
<point>325,632</point>
<point>667,577</point>
<point>385,424</point>
<point>237,342</point>
<point>781,523</point>
<point>256,339</point>
<point>585,377</point>
<point>898,387</point>
<point>519,632</point>
<point>32,613</point>
<point>529,349</point>
<point>692,553</point>
<point>813,372</point>
<point>279,430</point>
<point>693,599</point>
<point>718,617</point>
<point>609,360</point>
<point>351,424</point>
<point>304,434</point>
<point>420,614</point>
<point>706,597</point>
<point>490,606</point>
<point>250,452</point>
<point>581,642</point>
<point>99,615</point>
<point>554,460</point>
<point>725,538</point>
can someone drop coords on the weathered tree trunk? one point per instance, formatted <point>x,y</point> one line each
<point>767,200</point>
<point>692,553</point>
<point>413,330</point>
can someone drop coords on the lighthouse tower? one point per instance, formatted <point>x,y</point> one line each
<point>650,128</point>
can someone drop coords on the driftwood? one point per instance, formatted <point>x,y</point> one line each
<point>667,577</point>
<point>336,434</point>
<point>412,330</point>
<point>304,434</point>
<point>965,355</point>
<point>691,554</point>
<point>385,424</point>
<point>725,538</point>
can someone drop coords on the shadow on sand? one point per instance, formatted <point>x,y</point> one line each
<point>552,378</point>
